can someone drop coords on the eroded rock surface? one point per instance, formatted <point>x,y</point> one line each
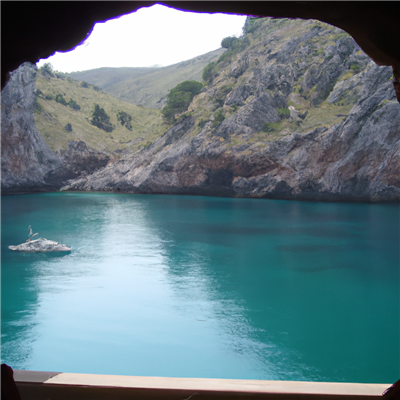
<point>27,163</point>
<point>353,155</point>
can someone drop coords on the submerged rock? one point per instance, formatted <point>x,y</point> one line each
<point>40,245</point>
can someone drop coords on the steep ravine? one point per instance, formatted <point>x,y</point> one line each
<point>346,147</point>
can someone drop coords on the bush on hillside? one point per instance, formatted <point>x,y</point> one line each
<point>125,119</point>
<point>283,113</point>
<point>73,104</point>
<point>179,99</point>
<point>209,72</point>
<point>234,45</point>
<point>47,69</point>
<point>218,118</point>
<point>100,118</point>
<point>84,84</point>
<point>68,127</point>
<point>60,99</point>
<point>228,42</point>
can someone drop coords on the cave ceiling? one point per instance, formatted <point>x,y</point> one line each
<point>36,29</point>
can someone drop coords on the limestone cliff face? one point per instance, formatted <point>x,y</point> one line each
<point>27,163</point>
<point>341,141</point>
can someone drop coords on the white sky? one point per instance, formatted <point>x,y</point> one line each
<point>155,35</point>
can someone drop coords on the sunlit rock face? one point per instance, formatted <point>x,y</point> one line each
<point>338,140</point>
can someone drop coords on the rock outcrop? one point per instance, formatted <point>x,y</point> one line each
<point>82,160</point>
<point>40,245</point>
<point>343,145</point>
<point>27,163</point>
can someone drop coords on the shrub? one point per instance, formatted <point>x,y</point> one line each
<point>60,99</point>
<point>201,122</point>
<point>179,99</point>
<point>49,97</point>
<point>100,118</point>
<point>125,119</point>
<point>283,113</point>
<point>271,127</point>
<point>73,104</point>
<point>37,108</point>
<point>209,72</point>
<point>228,42</point>
<point>218,118</point>
<point>47,69</point>
<point>84,84</point>
<point>68,127</point>
<point>38,92</point>
<point>235,45</point>
<point>303,116</point>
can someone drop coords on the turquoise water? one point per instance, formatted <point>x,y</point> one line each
<point>187,286</point>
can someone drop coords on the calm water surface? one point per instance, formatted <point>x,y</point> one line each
<point>202,287</point>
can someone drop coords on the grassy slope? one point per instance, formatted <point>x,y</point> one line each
<point>105,77</point>
<point>150,88</point>
<point>146,123</point>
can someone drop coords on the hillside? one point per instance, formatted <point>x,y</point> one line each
<point>147,88</point>
<point>51,117</point>
<point>105,77</point>
<point>293,110</point>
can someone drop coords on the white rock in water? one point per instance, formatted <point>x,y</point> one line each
<point>40,245</point>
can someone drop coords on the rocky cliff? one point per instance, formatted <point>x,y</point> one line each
<point>27,163</point>
<point>294,110</point>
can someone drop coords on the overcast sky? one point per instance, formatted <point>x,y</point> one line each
<point>155,35</point>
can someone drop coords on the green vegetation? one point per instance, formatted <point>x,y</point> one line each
<point>46,70</point>
<point>51,117</point>
<point>355,67</point>
<point>201,122</point>
<point>60,99</point>
<point>272,127</point>
<point>146,86</point>
<point>209,72</point>
<point>74,105</point>
<point>234,46</point>
<point>124,119</point>
<point>100,118</point>
<point>283,113</point>
<point>179,99</point>
<point>218,118</point>
<point>68,127</point>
